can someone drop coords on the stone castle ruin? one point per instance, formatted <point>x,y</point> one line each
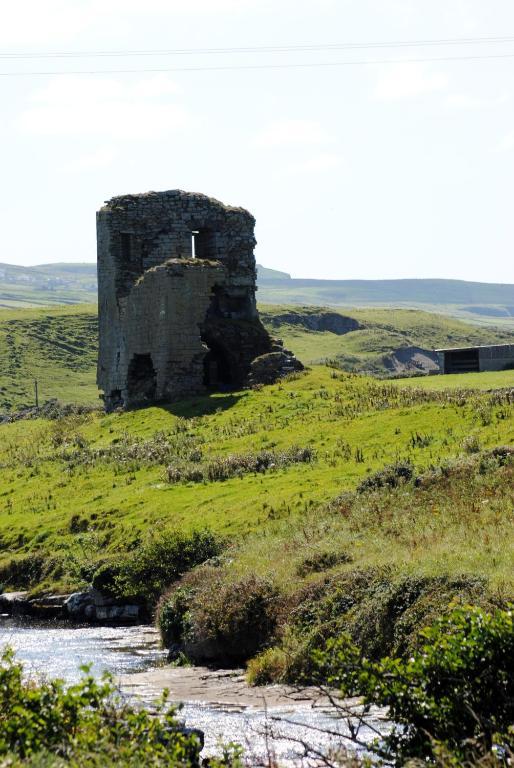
<point>177,310</point>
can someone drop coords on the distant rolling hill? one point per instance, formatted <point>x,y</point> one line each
<point>480,303</point>
<point>47,285</point>
<point>483,303</point>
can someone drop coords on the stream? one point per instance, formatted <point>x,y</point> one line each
<point>271,721</point>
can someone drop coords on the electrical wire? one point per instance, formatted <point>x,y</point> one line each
<point>504,39</point>
<point>235,67</point>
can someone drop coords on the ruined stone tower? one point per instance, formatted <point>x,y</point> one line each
<point>177,312</point>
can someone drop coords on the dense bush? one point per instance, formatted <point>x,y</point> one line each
<point>24,572</point>
<point>105,578</point>
<point>455,695</point>
<point>389,477</point>
<point>237,464</point>
<point>381,611</point>
<point>212,619</point>
<point>84,725</point>
<point>157,563</point>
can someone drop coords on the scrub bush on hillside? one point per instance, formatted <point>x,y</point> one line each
<point>453,699</point>
<point>85,724</point>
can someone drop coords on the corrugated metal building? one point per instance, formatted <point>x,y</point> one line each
<point>497,357</point>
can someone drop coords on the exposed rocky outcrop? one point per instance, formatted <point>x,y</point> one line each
<point>412,360</point>
<point>88,606</point>
<point>315,321</point>
<point>267,369</point>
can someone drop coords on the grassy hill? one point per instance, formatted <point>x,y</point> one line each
<point>47,285</point>
<point>380,332</point>
<point>58,346</point>
<point>478,303</point>
<point>342,504</point>
<point>474,302</point>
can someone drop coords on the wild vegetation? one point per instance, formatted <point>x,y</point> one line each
<point>85,725</point>
<point>451,701</point>
<point>58,347</point>
<point>377,564</point>
<point>274,521</point>
<point>76,488</point>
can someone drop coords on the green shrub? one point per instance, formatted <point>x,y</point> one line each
<point>215,620</point>
<point>453,696</point>
<point>236,465</point>
<point>105,578</point>
<point>267,667</point>
<point>85,724</point>
<point>389,477</point>
<point>160,561</point>
<point>23,572</point>
<point>173,618</point>
<point>382,611</point>
<point>322,561</point>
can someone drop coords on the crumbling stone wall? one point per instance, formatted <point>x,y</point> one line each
<point>176,283</point>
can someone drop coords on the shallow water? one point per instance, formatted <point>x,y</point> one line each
<point>58,650</point>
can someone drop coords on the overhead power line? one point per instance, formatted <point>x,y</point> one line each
<point>267,49</point>
<point>234,67</point>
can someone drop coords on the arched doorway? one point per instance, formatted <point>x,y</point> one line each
<point>142,379</point>
<point>217,369</point>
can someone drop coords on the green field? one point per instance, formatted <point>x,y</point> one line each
<point>58,347</point>
<point>382,332</point>
<point>107,472</point>
<point>482,381</point>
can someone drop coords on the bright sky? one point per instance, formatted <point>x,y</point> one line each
<point>371,170</point>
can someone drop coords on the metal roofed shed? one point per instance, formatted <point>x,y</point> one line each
<point>496,357</point>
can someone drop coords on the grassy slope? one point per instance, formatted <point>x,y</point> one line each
<point>354,424</point>
<point>482,381</point>
<point>58,347</point>
<point>384,330</point>
<point>480,303</point>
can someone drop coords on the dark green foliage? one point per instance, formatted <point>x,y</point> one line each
<point>322,561</point>
<point>454,695</point>
<point>215,620</point>
<point>381,611</point>
<point>24,572</point>
<point>78,524</point>
<point>105,579</point>
<point>161,560</point>
<point>389,477</point>
<point>84,725</point>
<point>174,619</point>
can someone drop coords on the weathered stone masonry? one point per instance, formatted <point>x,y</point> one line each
<point>177,311</point>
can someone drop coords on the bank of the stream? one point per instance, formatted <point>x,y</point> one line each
<point>220,703</point>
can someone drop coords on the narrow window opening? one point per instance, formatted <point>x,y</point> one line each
<point>203,243</point>
<point>194,234</point>
<point>126,245</point>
